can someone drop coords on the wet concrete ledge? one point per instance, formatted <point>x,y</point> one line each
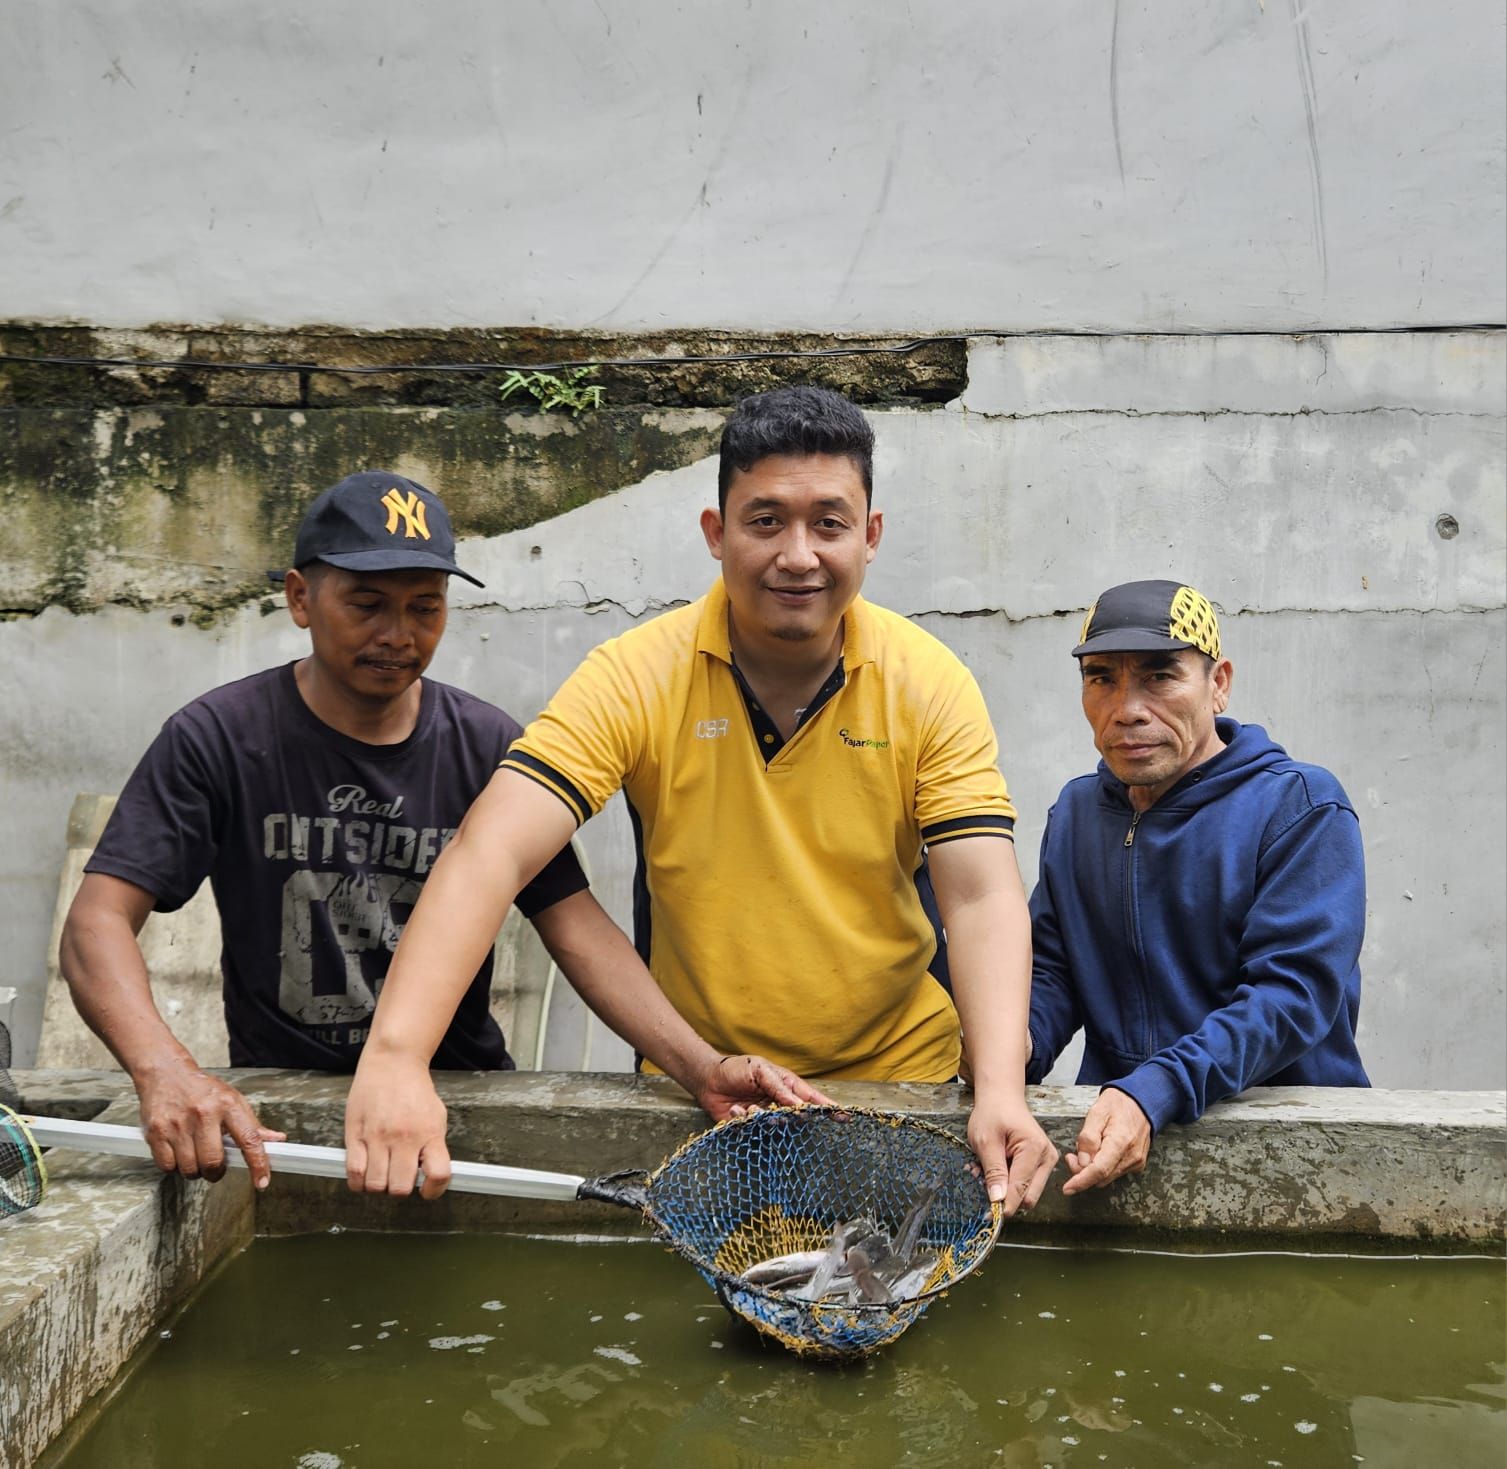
<point>87,1276</point>
<point>114,1248</point>
<point>1279,1161</point>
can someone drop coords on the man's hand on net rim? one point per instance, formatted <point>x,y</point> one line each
<point>734,1085</point>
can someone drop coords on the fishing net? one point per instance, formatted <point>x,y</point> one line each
<point>774,1183</point>
<point>23,1175</point>
<point>779,1181</point>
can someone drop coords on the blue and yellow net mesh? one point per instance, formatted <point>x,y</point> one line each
<point>23,1175</point>
<point>778,1181</point>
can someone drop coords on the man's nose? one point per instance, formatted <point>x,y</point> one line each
<point>395,631</point>
<point>1130,705</point>
<point>797,551</point>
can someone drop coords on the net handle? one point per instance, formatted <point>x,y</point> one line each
<point>305,1159</point>
<point>628,1188</point>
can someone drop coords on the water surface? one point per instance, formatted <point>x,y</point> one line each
<point>349,1351</point>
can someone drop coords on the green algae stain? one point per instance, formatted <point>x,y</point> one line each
<point>174,504</point>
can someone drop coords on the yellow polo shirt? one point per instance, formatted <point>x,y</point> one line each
<point>779,898</point>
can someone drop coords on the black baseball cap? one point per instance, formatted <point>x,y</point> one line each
<point>1150,617</point>
<point>377,521</point>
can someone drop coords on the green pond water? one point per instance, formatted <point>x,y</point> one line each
<point>347,1351</point>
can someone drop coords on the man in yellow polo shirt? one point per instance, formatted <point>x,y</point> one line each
<point>787,751</point>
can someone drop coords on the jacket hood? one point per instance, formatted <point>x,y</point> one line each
<point>1248,750</point>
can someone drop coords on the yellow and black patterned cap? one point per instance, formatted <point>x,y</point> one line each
<point>1149,617</point>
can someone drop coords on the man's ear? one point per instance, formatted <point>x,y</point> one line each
<point>1224,678</point>
<point>297,590</point>
<point>873,533</point>
<point>711,528</point>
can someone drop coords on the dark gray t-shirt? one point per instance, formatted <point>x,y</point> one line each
<point>316,846</point>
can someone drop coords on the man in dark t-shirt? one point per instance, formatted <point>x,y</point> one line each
<point>316,798</point>
<point>316,845</point>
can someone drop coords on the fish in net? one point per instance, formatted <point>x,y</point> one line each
<point>821,1181</point>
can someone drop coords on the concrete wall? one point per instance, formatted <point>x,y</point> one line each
<point>1304,483</point>
<point>1186,188</point>
<point>1133,165</point>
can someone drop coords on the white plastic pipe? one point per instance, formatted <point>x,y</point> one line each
<point>302,1158</point>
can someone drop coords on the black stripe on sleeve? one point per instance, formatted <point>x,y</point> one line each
<point>551,780</point>
<point>968,826</point>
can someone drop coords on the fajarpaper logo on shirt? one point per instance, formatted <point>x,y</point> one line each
<point>855,742</point>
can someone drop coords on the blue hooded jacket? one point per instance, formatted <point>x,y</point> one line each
<point>1207,944</point>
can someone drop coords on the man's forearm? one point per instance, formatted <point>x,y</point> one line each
<point>989,956</point>
<point>512,829</point>
<point>605,969</point>
<point>107,978</point>
<point>185,1113</point>
<point>989,949</point>
<point>988,924</point>
<point>446,940</point>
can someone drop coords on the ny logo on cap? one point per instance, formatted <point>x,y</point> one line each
<point>410,509</point>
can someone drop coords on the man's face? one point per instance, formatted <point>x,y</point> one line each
<point>373,632</point>
<point>794,540</point>
<point>1153,715</point>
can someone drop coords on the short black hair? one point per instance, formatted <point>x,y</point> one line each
<point>794,421</point>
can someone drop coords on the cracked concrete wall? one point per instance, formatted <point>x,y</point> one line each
<point>1240,166</point>
<point>1340,496</point>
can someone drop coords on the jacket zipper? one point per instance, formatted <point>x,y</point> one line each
<point>1132,934</point>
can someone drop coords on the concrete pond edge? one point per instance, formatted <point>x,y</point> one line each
<point>115,1249</point>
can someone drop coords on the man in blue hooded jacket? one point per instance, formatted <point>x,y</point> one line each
<point>1202,896</point>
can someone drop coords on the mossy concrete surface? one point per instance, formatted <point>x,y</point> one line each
<point>149,507</point>
<point>147,485</point>
<point>462,367</point>
<point>114,1248</point>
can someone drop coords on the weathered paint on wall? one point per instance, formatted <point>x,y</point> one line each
<point>1301,482</point>
<point>1118,167</point>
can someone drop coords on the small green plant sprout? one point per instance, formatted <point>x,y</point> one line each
<point>568,389</point>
